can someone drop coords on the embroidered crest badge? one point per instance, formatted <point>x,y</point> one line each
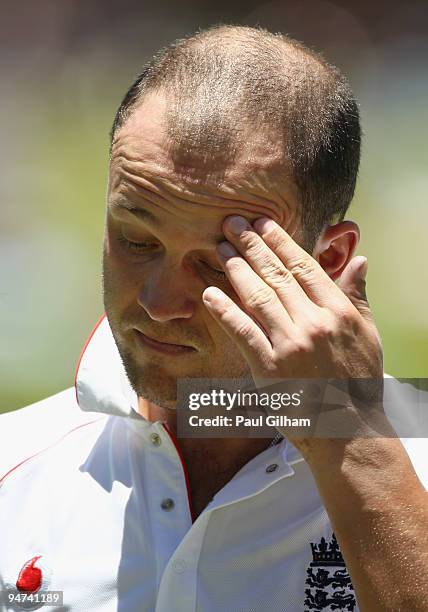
<point>330,586</point>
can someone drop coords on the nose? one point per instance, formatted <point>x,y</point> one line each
<point>166,295</point>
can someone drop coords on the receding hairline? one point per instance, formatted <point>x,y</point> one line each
<point>220,79</point>
<point>218,143</point>
<point>235,39</point>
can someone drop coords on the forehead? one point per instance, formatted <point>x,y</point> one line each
<point>254,181</point>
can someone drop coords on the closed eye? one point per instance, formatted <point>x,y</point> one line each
<point>219,274</point>
<point>137,247</point>
<point>146,246</point>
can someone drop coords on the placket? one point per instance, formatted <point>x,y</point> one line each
<point>178,587</point>
<point>166,492</point>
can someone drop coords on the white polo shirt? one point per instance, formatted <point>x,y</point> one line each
<point>94,503</point>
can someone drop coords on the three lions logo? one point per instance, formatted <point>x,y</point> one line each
<point>330,587</point>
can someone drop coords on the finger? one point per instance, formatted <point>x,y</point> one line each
<point>316,283</point>
<point>256,296</point>
<point>269,267</point>
<point>353,284</point>
<point>250,339</point>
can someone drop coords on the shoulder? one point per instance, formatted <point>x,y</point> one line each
<point>27,431</point>
<point>406,402</point>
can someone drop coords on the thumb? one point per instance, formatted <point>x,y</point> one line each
<point>353,284</point>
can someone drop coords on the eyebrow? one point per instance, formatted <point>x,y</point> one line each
<point>146,215</point>
<point>141,213</point>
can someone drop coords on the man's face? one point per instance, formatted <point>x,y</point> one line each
<point>164,220</point>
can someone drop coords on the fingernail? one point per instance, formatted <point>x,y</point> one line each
<point>212,294</point>
<point>226,250</point>
<point>264,225</point>
<point>237,225</point>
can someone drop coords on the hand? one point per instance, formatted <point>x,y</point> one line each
<point>295,322</point>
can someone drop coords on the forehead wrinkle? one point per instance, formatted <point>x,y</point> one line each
<point>156,178</point>
<point>166,194</point>
<point>121,202</point>
<point>129,190</point>
<point>134,169</point>
<point>251,179</point>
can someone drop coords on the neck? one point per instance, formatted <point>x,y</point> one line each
<point>153,413</point>
<point>221,454</point>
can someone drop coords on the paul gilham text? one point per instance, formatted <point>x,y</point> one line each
<point>239,420</point>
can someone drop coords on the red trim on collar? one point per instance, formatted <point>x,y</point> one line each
<point>98,323</point>
<point>171,435</point>
<point>183,464</point>
<point>47,447</point>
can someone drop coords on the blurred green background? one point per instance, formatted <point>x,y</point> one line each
<point>65,66</point>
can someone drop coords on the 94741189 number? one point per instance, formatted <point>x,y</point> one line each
<point>25,600</point>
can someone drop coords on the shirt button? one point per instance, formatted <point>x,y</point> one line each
<point>271,468</point>
<point>167,503</point>
<point>155,439</point>
<point>179,566</point>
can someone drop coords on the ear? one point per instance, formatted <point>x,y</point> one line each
<point>336,246</point>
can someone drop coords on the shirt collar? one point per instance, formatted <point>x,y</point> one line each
<point>101,382</point>
<point>102,385</point>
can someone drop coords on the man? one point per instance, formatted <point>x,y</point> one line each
<point>233,161</point>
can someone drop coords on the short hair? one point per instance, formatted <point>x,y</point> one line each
<point>230,76</point>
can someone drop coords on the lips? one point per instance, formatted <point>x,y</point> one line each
<point>162,346</point>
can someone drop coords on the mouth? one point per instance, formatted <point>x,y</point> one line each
<point>162,347</point>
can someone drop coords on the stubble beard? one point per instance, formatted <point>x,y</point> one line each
<point>150,380</point>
